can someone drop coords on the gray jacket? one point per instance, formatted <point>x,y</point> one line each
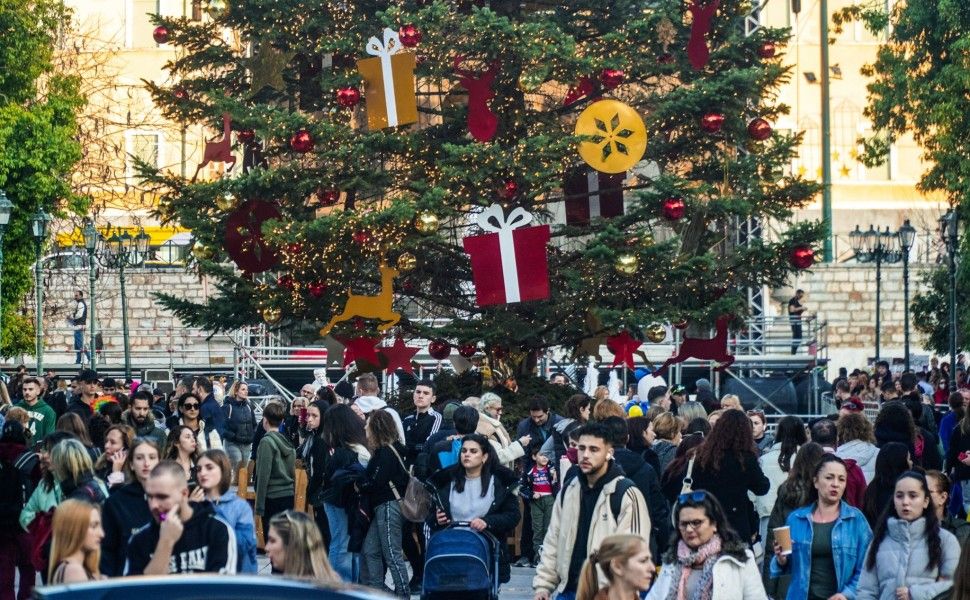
<point>902,561</point>
<point>863,453</point>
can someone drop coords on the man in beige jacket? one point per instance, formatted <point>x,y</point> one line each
<point>585,513</point>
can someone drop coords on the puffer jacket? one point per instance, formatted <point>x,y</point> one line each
<point>666,451</point>
<point>552,572</point>
<point>863,453</point>
<point>240,421</point>
<point>902,561</point>
<point>850,538</point>
<point>239,516</point>
<point>770,466</point>
<point>734,579</point>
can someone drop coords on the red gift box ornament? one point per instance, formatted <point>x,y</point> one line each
<point>509,261</point>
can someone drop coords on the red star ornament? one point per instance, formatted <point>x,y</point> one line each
<point>360,349</point>
<point>399,356</point>
<point>623,345</point>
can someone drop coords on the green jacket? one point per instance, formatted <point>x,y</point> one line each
<point>275,469</point>
<point>42,419</point>
<point>42,500</point>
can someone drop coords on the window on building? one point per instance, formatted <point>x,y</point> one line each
<point>139,26</point>
<point>144,147</point>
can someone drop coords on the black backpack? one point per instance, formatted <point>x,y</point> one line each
<point>616,498</point>
<point>15,486</point>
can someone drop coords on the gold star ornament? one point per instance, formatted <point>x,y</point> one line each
<point>266,68</point>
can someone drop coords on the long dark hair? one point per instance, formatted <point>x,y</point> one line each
<point>731,543</point>
<point>636,426</point>
<point>685,450</point>
<point>342,427</point>
<point>491,462</point>
<point>895,417</point>
<point>891,462</point>
<point>932,525</point>
<point>731,435</point>
<point>827,458</point>
<point>791,435</point>
<point>796,490</point>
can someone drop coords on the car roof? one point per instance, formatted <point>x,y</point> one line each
<point>203,587</point>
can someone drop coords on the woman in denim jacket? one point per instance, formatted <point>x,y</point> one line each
<point>829,540</point>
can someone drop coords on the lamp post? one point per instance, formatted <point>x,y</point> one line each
<point>91,239</point>
<point>949,231</point>
<point>123,251</point>
<point>6,209</point>
<point>879,247</point>
<point>907,236</point>
<point>38,227</point>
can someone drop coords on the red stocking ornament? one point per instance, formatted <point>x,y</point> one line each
<point>697,50</point>
<point>482,122</point>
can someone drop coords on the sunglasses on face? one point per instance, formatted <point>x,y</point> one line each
<point>697,496</point>
<point>190,406</point>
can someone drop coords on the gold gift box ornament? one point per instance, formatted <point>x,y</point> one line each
<point>389,82</point>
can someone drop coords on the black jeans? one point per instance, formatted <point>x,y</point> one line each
<point>796,334</point>
<point>273,507</point>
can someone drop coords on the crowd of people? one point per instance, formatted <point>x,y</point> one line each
<point>869,502</point>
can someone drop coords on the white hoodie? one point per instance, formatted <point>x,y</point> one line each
<point>372,403</point>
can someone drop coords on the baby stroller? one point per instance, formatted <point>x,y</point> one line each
<point>461,562</point>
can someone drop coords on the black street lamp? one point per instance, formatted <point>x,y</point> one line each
<point>6,209</point>
<point>907,237</point>
<point>123,251</point>
<point>91,239</point>
<point>949,232</point>
<point>879,247</point>
<point>38,228</point>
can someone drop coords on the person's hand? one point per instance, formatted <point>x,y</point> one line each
<point>198,494</point>
<point>781,558</point>
<point>171,528</point>
<point>965,458</point>
<point>118,460</point>
<point>478,525</point>
<point>525,440</point>
<point>902,593</point>
<point>442,518</point>
<point>838,597</point>
<point>541,595</point>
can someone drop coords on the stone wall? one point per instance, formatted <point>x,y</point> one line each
<point>844,295</point>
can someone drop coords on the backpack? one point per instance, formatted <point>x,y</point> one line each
<point>616,498</point>
<point>855,484</point>
<point>15,486</point>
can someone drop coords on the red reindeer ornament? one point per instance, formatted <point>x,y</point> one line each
<point>714,348</point>
<point>219,151</point>
<point>482,122</point>
<point>697,50</point>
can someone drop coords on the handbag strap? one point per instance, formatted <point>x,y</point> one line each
<point>688,485</point>
<point>399,459</point>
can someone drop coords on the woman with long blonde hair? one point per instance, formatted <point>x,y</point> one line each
<point>625,562</point>
<point>76,536</point>
<point>295,547</point>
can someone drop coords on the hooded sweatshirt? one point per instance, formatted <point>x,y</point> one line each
<point>207,545</point>
<point>42,418</point>
<point>125,512</point>
<point>367,404</point>
<point>147,430</point>
<point>275,468</point>
<point>863,453</point>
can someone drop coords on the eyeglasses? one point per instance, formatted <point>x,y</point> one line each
<point>697,496</point>
<point>190,406</point>
<point>695,524</point>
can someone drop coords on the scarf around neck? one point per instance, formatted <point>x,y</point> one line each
<point>687,559</point>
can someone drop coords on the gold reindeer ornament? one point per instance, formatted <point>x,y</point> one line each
<point>370,307</point>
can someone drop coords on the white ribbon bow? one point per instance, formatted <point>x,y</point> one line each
<point>504,226</point>
<point>384,51</point>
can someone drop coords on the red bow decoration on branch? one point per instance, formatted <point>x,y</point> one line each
<point>482,122</point>
<point>697,50</point>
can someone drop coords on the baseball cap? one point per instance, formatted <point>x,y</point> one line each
<point>853,404</point>
<point>677,390</point>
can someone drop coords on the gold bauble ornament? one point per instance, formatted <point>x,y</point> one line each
<point>627,264</point>
<point>426,223</point>
<point>656,333</point>
<point>272,315</point>
<point>406,262</point>
<point>226,201</point>
<point>202,252</point>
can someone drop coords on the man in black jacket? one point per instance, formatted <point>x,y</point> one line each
<point>182,537</point>
<point>645,478</point>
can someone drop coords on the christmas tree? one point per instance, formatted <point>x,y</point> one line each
<point>635,135</point>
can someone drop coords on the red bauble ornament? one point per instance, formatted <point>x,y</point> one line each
<point>509,189</point>
<point>439,349</point>
<point>681,324</point>
<point>246,136</point>
<point>160,34</point>
<point>317,288</point>
<point>610,78</point>
<point>302,141</point>
<point>666,58</point>
<point>802,257</point>
<point>759,129</point>
<point>467,350</point>
<point>328,197</point>
<point>712,122</point>
<point>673,208</point>
<point>348,97</point>
<point>767,50</point>
<point>286,282</point>
<point>181,93</point>
<point>410,35</point>
<point>361,237</point>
